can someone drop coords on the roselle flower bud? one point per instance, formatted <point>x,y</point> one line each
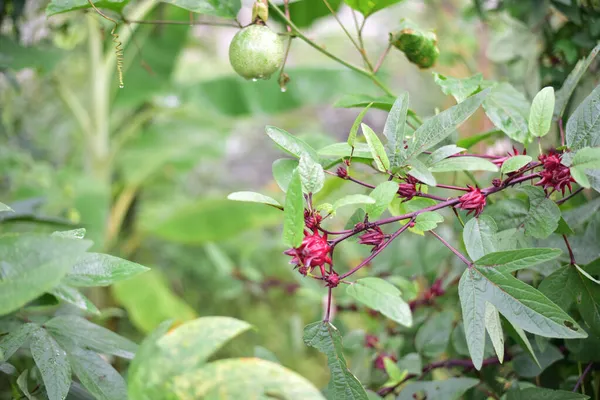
<point>342,172</point>
<point>555,175</point>
<point>371,341</point>
<point>379,363</point>
<point>332,280</point>
<point>312,219</point>
<point>408,189</point>
<point>373,237</point>
<point>496,182</point>
<point>473,201</point>
<point>312,252</point>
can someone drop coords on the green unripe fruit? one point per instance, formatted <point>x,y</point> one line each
<point>256,52</point>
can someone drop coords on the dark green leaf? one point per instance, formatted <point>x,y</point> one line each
<point>293,220</point>
<point>460,89</point>
<point>218,8</point>
<point>304,13</point>
<point>513,260</point>
<point>527,368</point>
<point>61,6</point>
<point>479,236</point>
<point>508,109</point>
<point>449,389</point>
<point>75,297</point>
<point>563,227</point>
<point>291,144</point>
<point>543,216</point>
<point>433,336</point>
<point>253,197</point>
<point>549,394</point>
<point>325,337</point>
<point>97,376</point>
<point>10,343</point>
<point>95,269</point>
<point>53,364</point>
<point>583,126</point>
<point>394,130</point>
<point>383,194</point>
<point>540,115</point>
<point>311,174</point>
<point>82,333</point>
<point>381,296</point>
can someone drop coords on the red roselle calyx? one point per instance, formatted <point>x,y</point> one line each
<point>373,237</point>
<point>473,201</point>
<point>313,252</point>
<point>312,219</point>
<point>332,280</point>
<point>379,364</point>
<point>342,172</point>
<point>408,189</point>
<point>554,175</point>
<point>371,341</point>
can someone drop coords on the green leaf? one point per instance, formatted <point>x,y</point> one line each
<point>513,260</point>
<point>564,93</point>
<point>537,393</point>
<point>508,109</point>
<point>412,363</point>
<point>10,343</point>
<point>4,207</point>
<point>584,273</point>
<point>39,262</point>
<point>493,326</point>
<point>515,163</point>
<point>394,130</point>
<point>580,177</point>
<point>95,269</point>
<point>479,236</point>
<point>218,8</point>
<point>356,125</point>
<point>471,141</point>
<point>343,150</point>
<point>362,100</point>
<point>433,336</point>
<point>467,163</point>
<point>163,357</point>
<point>449,389</point>
<point>540,115</point>
<point>587,158</point>
<point>519,336</point>
<point>52,363</point>
<point>524,365</point>
<point>559,287</point>
<point>521,304</point>
<point>97,376</point>
<point>353,199</point>
<point>563,227</point>
<point>440,126</point>
<point>428,221</point>
<point>377,150</point>
<point>283,169</point>
<point>71,234</point>
<point>291,144</point>
<point>396,375</point>
<point>383,195</point>
<point>543,216</point>
<point>443,152</point>
<point>311,174</point>
<point>244,378</point>
<point>73,296</point>
<point>149,301</point>
<point>41,57</point>
<point>460,89</point>
<point>61,6</point>
<point>23,385</point>
<point>421,172</point>
<point>253,197</point>
<point>83,333</point>
<point>304,13</point>
<point>293,222</point>
<point>381,296</point>
<point>583,126</point>
<point>367,8</point>
<point>325,337</point>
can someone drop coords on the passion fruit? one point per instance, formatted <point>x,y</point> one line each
<point>256,52</point>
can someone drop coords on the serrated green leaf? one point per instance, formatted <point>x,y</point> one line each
<point>254,197</point>
<point>493,326</point>
<point>377,151</point>
<point>587,158</point>
<point>311,174</point>
<point>325,337</point>
<point>4,207</point>
<point>479,236</point>
<point>82,333</point>
<point>542,218</point>
<point>97,376</point>
<point>291,144</point>
<point>381,296</point>
<point>39,262</point>
<point>513,260</point>
<point>293,222</point>
<point>283,169</point>
<point>540,114</point>
<point>10,343</point>
<point>467,163</point>
<point>73,296</point>
<point>383,195</point>
<point>433,336</point>
<point>427,221</point>
<point>96,269</point>
<point>394,130</point>
<point>583,126</point>
<point>508,109</point>
<point>343,150</point>
<point>353,199</point>
<point>354,130</point>
<point>515,163</point>
<point>440,126</point>
<point>52,363</point>
<point>449,389</point>
<point>458,88</point>
<point>443,153</point>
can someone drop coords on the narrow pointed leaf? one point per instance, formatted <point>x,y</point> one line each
<point>394,130</point>
<point>353,199</point>
<point>473,312</point>
<point>356,125</point>
<point>344,150</point>
<point>522,340</point>
<point>293,222</point>
<point>75,297</point>
<point>97,376</point>
<point>540,115</point>
<point>467,163</point>
<point>583,126</point>
<point>96,269</point>
<point>493,326</point>
<point>4,207</point>
<point>52,363</point>
<point>254,197</point>
<point>513,260</point>
<point>10,343</point>
<point>291,144</point>
<point>443,153</point>
<point>377,150</point>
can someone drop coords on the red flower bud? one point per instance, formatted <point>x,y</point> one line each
<point>312,219</point>
<point>379,364</point>
<point>332,280</point>
<point>313,252</point>
<point>408,189</point>
<point>497,182</point>
<point>373,237</point>
<point>473,200</point>
<point>342,172</point>
<point>371,341</point>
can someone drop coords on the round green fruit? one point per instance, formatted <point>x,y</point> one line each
<point>256,52</point>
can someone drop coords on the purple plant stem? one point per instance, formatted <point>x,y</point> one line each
<point>582,377</point>
<point>575,193</point>
<point>376,252</point>
<point>562,132</point>
<point>452,249</point>
<point>430,196</point>
<point>463,189</point>
<point>368,185</point>
<point>571,255</point>
<point>328,311</point>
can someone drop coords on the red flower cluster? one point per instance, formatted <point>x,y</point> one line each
<point>473,200</point>
<point>373,237</point>
<point>555,175</point>
<point>408,189</point>
<point>313,252</point>
<point>500,161</point>
<point>312,219</point>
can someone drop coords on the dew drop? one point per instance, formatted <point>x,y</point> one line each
<point>283,89</point>
<point>121,86</point>
<point>254,79</point>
